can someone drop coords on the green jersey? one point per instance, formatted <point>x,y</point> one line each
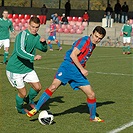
<point>5,26</point>
<point>22,58</point>
<point>127,28</point>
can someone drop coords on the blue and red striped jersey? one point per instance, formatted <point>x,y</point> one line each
<point>85,46</point>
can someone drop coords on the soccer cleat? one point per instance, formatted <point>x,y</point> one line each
<point>32,112</point>
<point>96,119</point>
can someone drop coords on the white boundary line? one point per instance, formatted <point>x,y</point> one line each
<point>103,73</point>
<point>121,127</point>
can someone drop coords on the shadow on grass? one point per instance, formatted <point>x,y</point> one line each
<point>78,109</point>
<point>82,108</point>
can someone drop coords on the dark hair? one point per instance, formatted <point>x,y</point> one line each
<point>100,30</point>
<point>35,19</point>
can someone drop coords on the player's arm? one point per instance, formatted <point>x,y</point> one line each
<point>42,45</point>
<point>74,57</point>
<point>20,48</point>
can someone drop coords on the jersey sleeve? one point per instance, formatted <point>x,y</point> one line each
<point>42,46</point>
<point>20,47</point>
<point>80,43</point>
<point>11,27</point>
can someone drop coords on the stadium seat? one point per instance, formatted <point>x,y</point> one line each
<point>26,25</point>
<point>60,30</point>
<point>23,21</point>
<point>81,27</point>
<point>17,28</point>
<point>15,16</point>
<point>69,18</point>
<point>80,19</point>
<point>69,27</point>
<point>75,27</point>
<point>72,23</point>
<point>72,31</point>
<point>85,24</point>
<point>74,18</point>
<point>59,17</point>
<point>78,31</point>
<point>17,21</point>
<point>21,16</point>
<point>10,16</point>
<point>63,26</point>
<point>66,30</point>
<point>57,26</point>
<point>23,28</point>
<point>26,16</point>
<point>78,23</point>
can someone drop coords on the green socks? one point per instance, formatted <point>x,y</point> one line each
<point>5,57</point>
<point>19,104</point>
<point>32,94</point>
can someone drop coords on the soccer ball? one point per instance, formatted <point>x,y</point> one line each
<point>45,117</point>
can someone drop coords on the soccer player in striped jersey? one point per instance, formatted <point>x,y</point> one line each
<point>73,71</point>
<point>52,36</point>
<point>5,26</point>
<point>20,67</point>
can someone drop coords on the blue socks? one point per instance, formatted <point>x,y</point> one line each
<point>44,97</point>
<point>92,107</point>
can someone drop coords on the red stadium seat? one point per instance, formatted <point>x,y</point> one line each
<point>85,24</point>
<point>21,16</point>
<point>69,18</point>
<point>63,26</point>
<point>69,26</point>
<point>75,27</point>
<point>23,21</point>
<point>57,26</point>
<point>10,16</point>
<point>81,27</point>
<point>66,30</point>
<point>59,17</point>
<point>72,23</point>
<point>26,16</point>
<point>23,28</point>
<point>60,30</point>
<point>72,31</point>
<point>78,23</point>
<point>74,19</point>
<point>78,31</point>
<point>15,16</point>
<point>80,19</point>
<point>17,28</point>
<point>26,25</point>
<point>17,21</point>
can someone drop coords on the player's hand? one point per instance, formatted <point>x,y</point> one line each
<point>42,39</point>
<point>84,72</point>
<point>38,57</point>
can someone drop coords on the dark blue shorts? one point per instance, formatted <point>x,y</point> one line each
<point>69,73</point>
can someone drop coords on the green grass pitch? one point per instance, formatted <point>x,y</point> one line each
<point>110,74</point>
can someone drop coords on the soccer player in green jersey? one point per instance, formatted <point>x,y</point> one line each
<point>126,30</point>
<point>20,68</point>
<point>5,26</point>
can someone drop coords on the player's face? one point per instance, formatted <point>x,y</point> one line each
<point>96,37</point>
<point>5,14</point>
<point>33,28</point>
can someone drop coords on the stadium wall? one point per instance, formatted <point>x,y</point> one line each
<point>95,15</point>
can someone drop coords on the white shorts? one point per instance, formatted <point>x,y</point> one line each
<point>18,80</point>
<point>5,43</point>
<point>126,39</point>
